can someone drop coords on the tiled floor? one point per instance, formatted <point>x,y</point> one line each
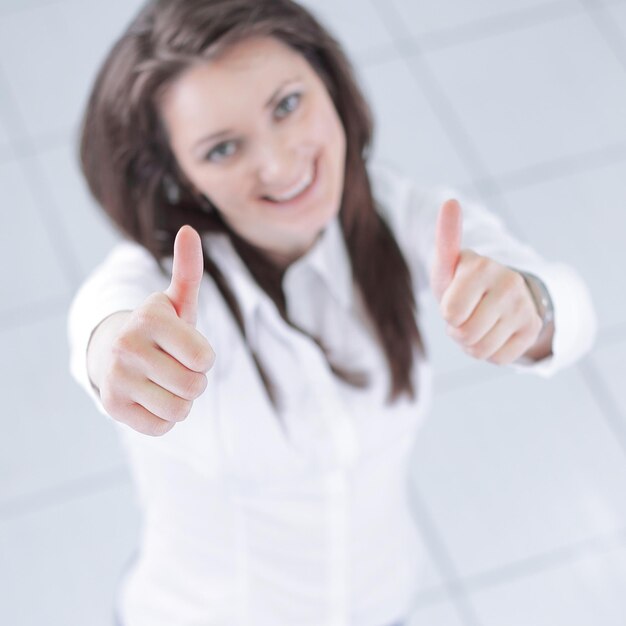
<point>519,481</point>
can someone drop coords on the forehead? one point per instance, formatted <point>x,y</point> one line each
<point>242,73</point>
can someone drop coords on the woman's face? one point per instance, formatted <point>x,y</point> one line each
<point>257,133</point>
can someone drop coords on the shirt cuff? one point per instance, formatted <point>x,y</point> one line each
<point>575,321</point>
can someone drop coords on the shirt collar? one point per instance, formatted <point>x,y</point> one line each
<point>328,258</point>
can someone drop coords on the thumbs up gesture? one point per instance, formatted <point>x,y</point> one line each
<point>151,363</point>
<point>488,307</point>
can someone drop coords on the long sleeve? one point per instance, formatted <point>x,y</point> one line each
<point>412,214</point>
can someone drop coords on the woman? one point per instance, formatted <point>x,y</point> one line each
<point>265,367</point>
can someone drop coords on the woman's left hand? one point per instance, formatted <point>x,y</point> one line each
<point>488,307</point>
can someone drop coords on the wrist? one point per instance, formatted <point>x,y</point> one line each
<point>541,298</point>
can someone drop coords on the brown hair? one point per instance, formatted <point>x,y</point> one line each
<point>127,161</point>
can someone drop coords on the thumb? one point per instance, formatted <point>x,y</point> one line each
<point>447,246</point>
<point>187,271</point>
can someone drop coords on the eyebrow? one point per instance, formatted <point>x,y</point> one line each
<point>221,133</point>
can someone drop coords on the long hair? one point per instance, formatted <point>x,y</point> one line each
<point>127,161</point>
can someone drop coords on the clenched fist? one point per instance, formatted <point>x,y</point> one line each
<point>150,364</point>
<point>488,307</point>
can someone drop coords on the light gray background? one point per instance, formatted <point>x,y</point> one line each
<point>520,482</point>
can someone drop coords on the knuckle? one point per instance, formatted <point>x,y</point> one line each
<point>451,314</point>
<point>480,263</point>
<point>121,346</point>
<point>202,358</point>
<point>116,371</point>
<point>184,409</point>
<point>474,351</point>
<point>498,359</point>
<point>514,281</point>
<point>463,335</point>
<point>195,385</point>
<point>179,410</point>
<point>147,317</point>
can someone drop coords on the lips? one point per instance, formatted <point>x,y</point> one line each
<point>303,195</point>
<point>295,191</point>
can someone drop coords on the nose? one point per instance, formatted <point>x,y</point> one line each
<point>276,163</point>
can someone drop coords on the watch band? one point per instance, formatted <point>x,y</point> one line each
<point>541,296</point>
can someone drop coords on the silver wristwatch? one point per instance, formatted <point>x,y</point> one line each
<point>541,296</point>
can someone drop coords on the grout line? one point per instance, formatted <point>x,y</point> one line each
<point>608,30</point>
<point>45,205</point>
<point>436,97</point>
<point>603,397</point>
<point>494,26</point>
<point>384,53</point>
<point>530,566</point>
<point>561,167</point>
<point>64,493</point>
<point>453,587</point>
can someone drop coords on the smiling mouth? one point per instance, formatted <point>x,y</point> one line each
<point>300,191</point>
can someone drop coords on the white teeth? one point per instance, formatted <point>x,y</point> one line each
<point>296,191</point>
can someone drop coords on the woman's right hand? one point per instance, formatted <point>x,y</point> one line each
<point>150,364</point>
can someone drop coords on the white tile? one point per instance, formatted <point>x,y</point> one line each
<point>518,466</point>
<point>607,2</point>
<point>32,270</point>
<point>580,219</point>
<point>52,433</point>
<point>49,55</point>
<point>536,94</point>
<point>611,363</point>
<point>442,614</point>
<point>90,232</point>
<point>5,147</point>
<point>12,6</point>
<point>407,133</point>
<point>422,18</point>
<point>354,23</point>
<point>588,590</point>
<point>61,565</point>
<point>616,10</point>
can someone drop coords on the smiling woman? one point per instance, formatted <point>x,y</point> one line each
<point>255,338</point>
<point>194,96</point>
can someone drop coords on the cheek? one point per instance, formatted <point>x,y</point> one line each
<point>323,124</point>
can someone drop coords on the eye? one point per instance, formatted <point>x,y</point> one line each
<point>221,151</point>
<point>289,103</point>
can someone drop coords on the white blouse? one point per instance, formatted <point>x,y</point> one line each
<point>301,518</point>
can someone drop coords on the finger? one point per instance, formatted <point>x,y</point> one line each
<point>492,342</point>
<point>161,402</point>
<point>144,422</point>
<point>448,233</point>
<point>512,350</point>
<point>472,281</point>
<point>187,271</point>
<point>484,317</point>
<point>185,344</point>
<point>168,373</point>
